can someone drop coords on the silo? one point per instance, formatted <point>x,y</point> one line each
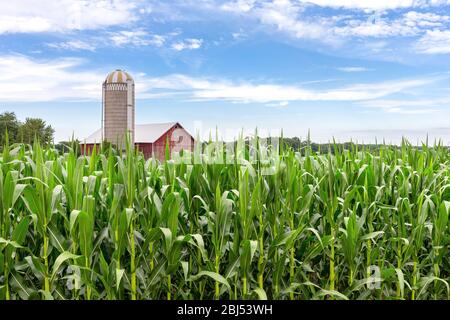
<point>118,108</point>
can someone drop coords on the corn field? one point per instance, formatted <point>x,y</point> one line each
<point>336,224</point>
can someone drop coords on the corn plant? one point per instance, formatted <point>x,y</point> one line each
<point>339,223</point>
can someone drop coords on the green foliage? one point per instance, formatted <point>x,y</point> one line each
<point>35,128</point>
<point>26,132</point>
<point>10,124</point>
<point>113,225</point>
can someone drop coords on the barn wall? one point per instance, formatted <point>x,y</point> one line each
<point>186,142</point>
<point>145,148</point>
<point>87,148</point>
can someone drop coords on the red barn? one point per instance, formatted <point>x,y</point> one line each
<point>151,139</point>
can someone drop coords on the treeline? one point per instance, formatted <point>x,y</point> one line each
<point>24,132</point>
<point>298,145</point>
<point>36,128</point>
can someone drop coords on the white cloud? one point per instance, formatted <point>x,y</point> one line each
<point>374,4</point>
<point>405,106</point>
<point>158,40</point>
<point>23,24</point>
<point>238,6</point>
<point>136,38</point>
<point>281,15</point>
<point>239,35</point>
<point>246,92</point>
<point>375,27</point>
<point>285,16</point>
<point>411,111</point>
<point>280,104</point>
<point>187,44</point>
<point>353,69</point>
<point>73,45</point>
<point>411,23</point>
<point>435,42</point>
<point>25,79</point>
<point>293,19</point>
<point>62,15</point>
<point>427,19</point>
<point>297,19</point>
<point>265,93</point>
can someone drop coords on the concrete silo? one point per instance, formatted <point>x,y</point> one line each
<point>118,108</point>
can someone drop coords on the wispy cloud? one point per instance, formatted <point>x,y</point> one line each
<point>243,6</point>
<point>281,15</point>
<point>239,35</point>
<point>119,38</point>
<point>377,25</point>
<point>136,38</point>
<point>353,69</point>
<point>292,19</point>
<point>187,44</point>
<point>374,26</point>
<point>285,16</point>
<point>264,93</point>
<point>249,92</point>
<point>435,42</point>
<point>25,79</point>
<point>239,6</point>
<point>407,106</point>
<point>59,16</point>
<point>395,135</point>
<point>392,103</point>
<point>411,111</point>
<point>73,45</point>
<point>374,5</point>
<point>280,104</point>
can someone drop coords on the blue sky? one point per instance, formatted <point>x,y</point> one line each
<point>346,69</point>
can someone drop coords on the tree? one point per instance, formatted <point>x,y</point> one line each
<point>65,146</point>
<point>36,128</point>
<point>9,122</point>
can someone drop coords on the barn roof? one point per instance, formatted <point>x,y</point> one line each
<point>144,133</point>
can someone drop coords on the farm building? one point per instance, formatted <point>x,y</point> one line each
<point>151,139</point>
<point>118,119</point>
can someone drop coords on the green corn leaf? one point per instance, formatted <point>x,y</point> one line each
<point>213,275</point>
<point>248,251</point>
<point>260,293</point>
<point>119,275</point>
<point>63,257</point>
<point>85,230</point>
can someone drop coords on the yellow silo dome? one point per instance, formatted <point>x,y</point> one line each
<point>118,76</point>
